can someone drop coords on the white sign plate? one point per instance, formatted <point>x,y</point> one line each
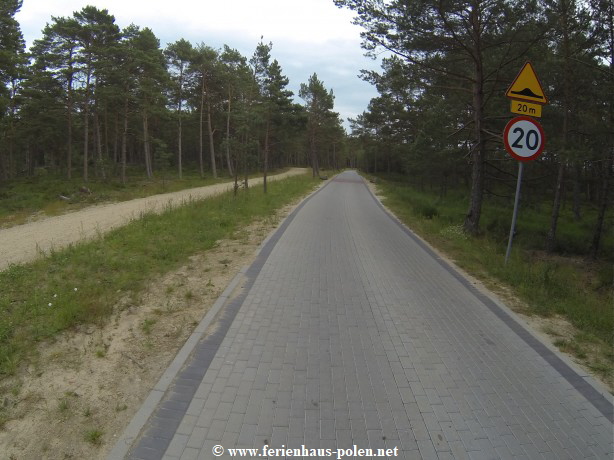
<point>524,138</point>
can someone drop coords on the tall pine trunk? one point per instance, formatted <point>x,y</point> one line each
<point>69,107</point>
<point>200,129</point>
<point>211,145</point>
<point>315,168</point>
<point>577,194</point>
<point>228,134</point>
<point>558,194</point>
<point>180,123</point>
<point>245,161</point>
<point>99,159</point>
<point>266,152</point>
<point>603,205</point>
<point>472,219</point>
<point>556,206</point>
<point>124,140</point>
<point>86,127</point>
<point>179,154</point>
<point>146,145</point>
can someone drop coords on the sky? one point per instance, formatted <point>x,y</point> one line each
<point>308,35</point>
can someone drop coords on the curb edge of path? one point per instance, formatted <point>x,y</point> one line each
<point>131,433</point>
<point>594,391</point>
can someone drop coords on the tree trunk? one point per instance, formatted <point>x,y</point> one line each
<point>577,191</point>
<point>211,146</point>
<point>200,129</point>
<point>96,140</point>
<point>86,127</point>
<point>603,205</point>
<point>228,134</point>
<point>106,134</point>
<point>124,140</point>
<point>556,206</point>
<point>335,165</point>
<point>245,158</point>
<point>314,155</point>
<point>69,104</point>
<point>146,146</point>
<point>245,169</point>
<point>179,133</point>
<point>266,152</point>
<point>179,154</point>
<point>375,162</point>
<point>116,142</point>
<point>236,186</point>
<point>472,219</point>
<point>100,160</point>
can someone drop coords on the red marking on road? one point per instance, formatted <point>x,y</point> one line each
<point>354,181</point>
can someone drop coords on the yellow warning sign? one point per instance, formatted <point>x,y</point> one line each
<point>526,87</point>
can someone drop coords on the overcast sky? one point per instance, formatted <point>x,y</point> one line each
<point>308,35</point>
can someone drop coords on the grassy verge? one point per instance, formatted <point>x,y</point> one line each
<point>22,197</point>
<point>81,284</point>
<point>577,289</point>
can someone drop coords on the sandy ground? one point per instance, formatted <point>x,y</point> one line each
<point>83,390</point>
<point>24,243</point>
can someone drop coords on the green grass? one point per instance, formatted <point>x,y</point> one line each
<point>93,436</point>
<point>84,282</point>
<point>578,289</point>
<point>147,325</point>
<point>63,406</point>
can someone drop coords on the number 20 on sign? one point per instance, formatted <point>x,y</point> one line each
<point>524,138</point>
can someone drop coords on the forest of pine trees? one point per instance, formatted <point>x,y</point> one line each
<point>441,109</point>
<point>92,99</point>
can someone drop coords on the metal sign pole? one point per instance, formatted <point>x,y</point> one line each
<point>515,214</point>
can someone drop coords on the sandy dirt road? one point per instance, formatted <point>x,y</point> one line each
<point>26,242</point>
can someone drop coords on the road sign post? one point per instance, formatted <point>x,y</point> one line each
<point>523,137</point>
<point>515,213</point>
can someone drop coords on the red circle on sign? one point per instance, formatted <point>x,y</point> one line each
<point>528,138</point>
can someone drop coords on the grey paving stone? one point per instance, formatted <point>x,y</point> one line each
<point>177,445</point>
<point>350,330</point>
<point>190,454</point>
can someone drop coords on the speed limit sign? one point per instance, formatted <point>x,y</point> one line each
<point>524,138</point>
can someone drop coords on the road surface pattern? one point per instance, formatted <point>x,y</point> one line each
<point>23,243</point>
<point>350,331</point>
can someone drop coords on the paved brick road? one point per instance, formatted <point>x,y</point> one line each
<point>351,332</point>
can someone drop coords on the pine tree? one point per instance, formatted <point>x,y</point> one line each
<point>12,72</point>
<point>274,99</point>
<point>468,42</point>
<point>151,82</point>
<point>179,54</point>
<point>319,105</point>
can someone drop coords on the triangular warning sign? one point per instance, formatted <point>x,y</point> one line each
<point>526,87</point>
